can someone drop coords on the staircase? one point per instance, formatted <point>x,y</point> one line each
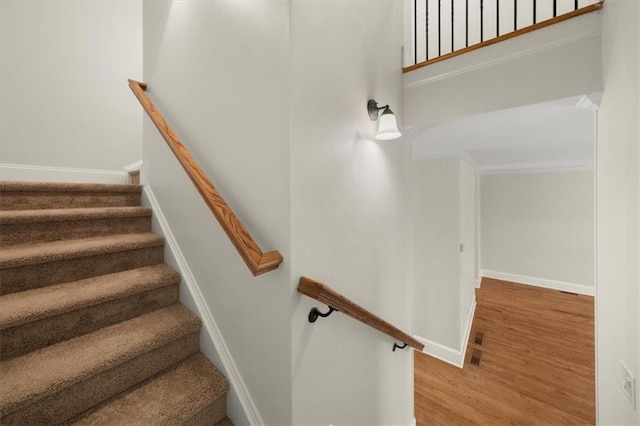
<point>91,327</point>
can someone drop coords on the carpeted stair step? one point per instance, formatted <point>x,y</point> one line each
<point>37,265</point>
<point>32,319</point>
<point>27,226</point>
<point>54,384</point>
<point>36,195</point>
<point>191,393</point>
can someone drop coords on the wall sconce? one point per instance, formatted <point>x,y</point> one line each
<point>387,126</point>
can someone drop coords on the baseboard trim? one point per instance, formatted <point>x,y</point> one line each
<point>540,282</point>
<point>136,166</point>
<point>29,173</point>
<point>445,353</point>
<point>467,331</point>
<point>208,321</point>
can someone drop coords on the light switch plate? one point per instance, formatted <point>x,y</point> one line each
<point>628,385</point>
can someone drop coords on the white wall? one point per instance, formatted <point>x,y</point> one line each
<point>618,189</point>
<point>255,92</point>
<point>539,225</point>
<point>443,210</point>
<point>65,100</point>
<point>219,73</point>
<point>435,251</point>
<point>467,238</point>
<point>350,213</point>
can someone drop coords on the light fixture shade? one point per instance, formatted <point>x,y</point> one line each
<point>387,127</point>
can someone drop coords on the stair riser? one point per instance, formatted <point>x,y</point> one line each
<point>22,233</point>
<point>35,335</point>
<point>71,401</point>
<point>29,200</point>
<point>39,275</point>
<point>211,414</point>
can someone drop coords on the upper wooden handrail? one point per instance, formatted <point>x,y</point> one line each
<point>543,24</point>
<point>322,293</point>
<point>258,262</point>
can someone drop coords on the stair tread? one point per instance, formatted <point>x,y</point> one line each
<point>15,186</point>
<point>34,253</point>
<point>60,215</point>
<point>31,305</point>
<point>41,373</point>
<point>172,397</point>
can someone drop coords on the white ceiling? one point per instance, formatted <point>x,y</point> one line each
<point>557,135</point>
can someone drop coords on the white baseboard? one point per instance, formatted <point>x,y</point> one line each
<point>133,166</point>
<point>467,331</point>
<point>28,173</point>
<point>445,353</point>
<point>540,282</point>
<point>228,364</point>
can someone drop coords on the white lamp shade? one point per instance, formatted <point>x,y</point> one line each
<point>387,127</point>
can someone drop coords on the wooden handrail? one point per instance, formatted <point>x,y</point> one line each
<point>258,262</point>
<point>578,12</point>
<point>322,293</point>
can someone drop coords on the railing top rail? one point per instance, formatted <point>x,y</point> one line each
<point>323,293</point>
<point>257,261</point>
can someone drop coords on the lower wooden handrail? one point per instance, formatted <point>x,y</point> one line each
<point>323,293</point>
<point>257,262</point>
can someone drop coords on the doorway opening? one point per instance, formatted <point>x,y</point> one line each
<point>504,269</point>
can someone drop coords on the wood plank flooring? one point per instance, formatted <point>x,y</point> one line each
<point>536,363</point>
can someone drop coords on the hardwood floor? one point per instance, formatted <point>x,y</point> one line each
<point>536,363</point>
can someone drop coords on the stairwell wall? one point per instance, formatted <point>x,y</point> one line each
<point>65,104</point>
<point>219,72</point>
<point>270,98</point>
<point>350,213</point>
<point>618,213</point>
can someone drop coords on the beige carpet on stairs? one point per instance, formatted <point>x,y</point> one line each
<point>91,327</point>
